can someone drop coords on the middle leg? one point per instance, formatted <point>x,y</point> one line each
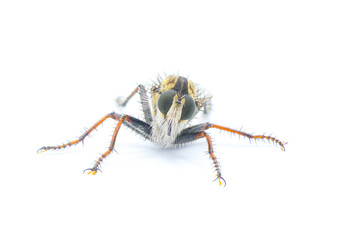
<point>135,124</point>
<point>205,126</point>
<point>83,136</point>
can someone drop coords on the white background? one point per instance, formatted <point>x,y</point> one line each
<point>273,67</point>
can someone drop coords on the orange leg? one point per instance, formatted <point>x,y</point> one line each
<point>82,137</point>
<point>135,124</point>
<point>212,156</point>
<point>198,131</point>
<point>96,166</point>
<point>250,136</point>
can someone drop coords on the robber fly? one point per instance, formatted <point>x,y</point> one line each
<point>175,102</point>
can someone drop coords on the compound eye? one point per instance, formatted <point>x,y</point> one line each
<point>189,108</point>
<point>165,101</point>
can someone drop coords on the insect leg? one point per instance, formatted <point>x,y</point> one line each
<point>95,167</point>
<point>135,124</point>
<point>189,137</point>
<point>250,136</point>
<point>144,102</point>
<point>195,129</point>
<point>81,138</point>
<point>205,126</point>
<point>138,126</point>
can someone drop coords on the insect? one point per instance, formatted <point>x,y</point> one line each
<point>175,102</point>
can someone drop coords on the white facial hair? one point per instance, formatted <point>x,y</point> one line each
<point>166,130</point>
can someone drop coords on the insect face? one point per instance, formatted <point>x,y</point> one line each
<point>184,105</point>
<point>175,106</point>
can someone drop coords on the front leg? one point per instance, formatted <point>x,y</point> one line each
<point>190,137</point>
<point>96,166</point>
<point>134,124</point>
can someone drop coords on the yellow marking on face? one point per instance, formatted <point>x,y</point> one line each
<point>192,89</point>
<point>155,98</point>
<point>169,83</point>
